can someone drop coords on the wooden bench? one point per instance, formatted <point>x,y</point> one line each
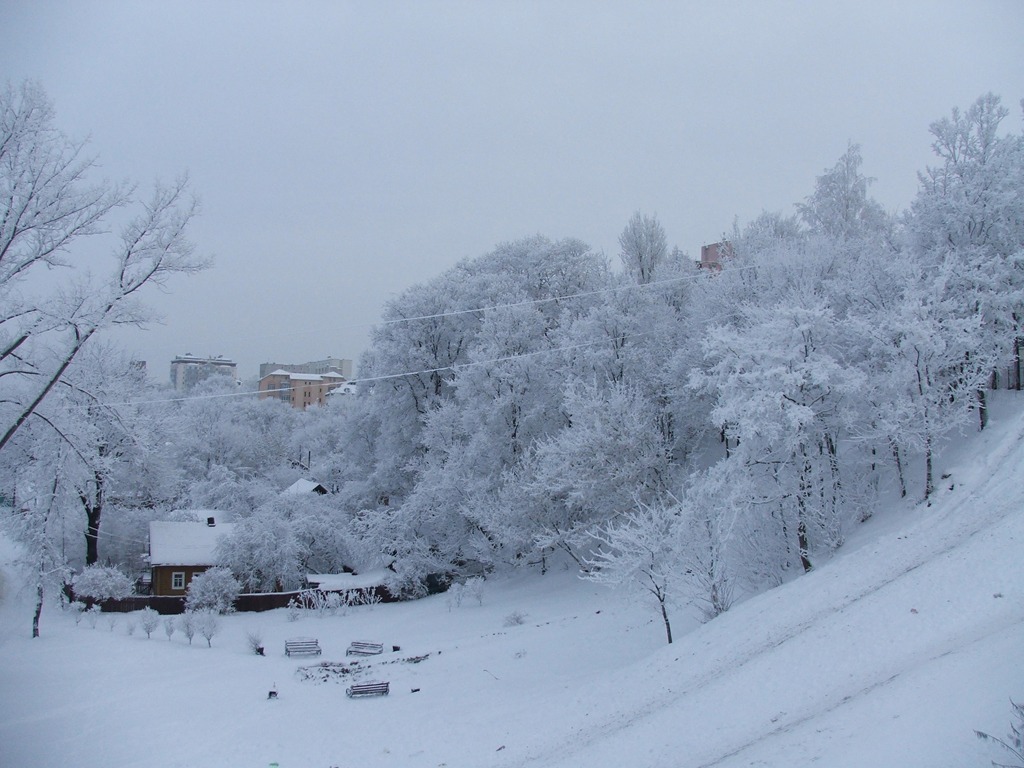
<point>368,689</point>
<point>364,649</point>
<point>303,645</point>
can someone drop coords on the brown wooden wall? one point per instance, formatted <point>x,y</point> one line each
<point>162,575</point>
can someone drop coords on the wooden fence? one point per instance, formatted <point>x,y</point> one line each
<point>249,602</point>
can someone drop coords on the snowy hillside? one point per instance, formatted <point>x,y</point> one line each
<point>889,655</point>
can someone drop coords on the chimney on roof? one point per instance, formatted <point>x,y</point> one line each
<point>211,522</point>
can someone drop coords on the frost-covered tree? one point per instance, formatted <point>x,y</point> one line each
<point>187,623</point>
<point>288,537</point>
<point>214,590</point>
<point>150,620</point>
<point>840,206</point>
<point>407,372</point>
<point>708,513</point>
<point>629,336</point>
<point>783,388</point>
<point>35,522</point>
<point>641,550</point>
<point>208,624</point>
<point>48,207</point>
<point>262,551</point>
<point>117,445</point>
<point>102,583</point>
<point>644,248</point>
<point>236,452</point>
<point>967,223</point>
<point>927,362</point>
<point>972,197</point>
<point>611,456</point>
<point>456,393</point>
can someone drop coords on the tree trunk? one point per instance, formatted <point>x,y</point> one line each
<point>929,478</point>
<point>803,494</point>
<point>92,534</point>
<point>664,617</point>
<point>982,398</point>
<point>38,611</point>
<point>804,546</point>
<point>1016,363</point>
<point>93,512</point>
<point>899,468</point>
<point>836,492</point>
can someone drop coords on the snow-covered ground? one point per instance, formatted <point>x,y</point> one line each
<point>892,654</point>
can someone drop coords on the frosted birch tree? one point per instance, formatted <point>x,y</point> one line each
<point>641,550</point>
<point>48,207</point>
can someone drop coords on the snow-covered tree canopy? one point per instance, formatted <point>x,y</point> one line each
<point>537,400</point>
<point>532,398</point>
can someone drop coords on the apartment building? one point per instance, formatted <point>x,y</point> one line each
<point>188,370</point>
<point>336,365</point>
<point>300,390</point>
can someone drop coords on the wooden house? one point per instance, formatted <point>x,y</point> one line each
<point>178,551</point>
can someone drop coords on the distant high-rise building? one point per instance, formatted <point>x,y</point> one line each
<point>336,365</point>
<point>188,370</point>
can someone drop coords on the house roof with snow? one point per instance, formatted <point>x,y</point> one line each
<point>292,375</point>
<point>305,486</point>
<point>175,543</point>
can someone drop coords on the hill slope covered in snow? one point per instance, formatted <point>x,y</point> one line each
<point>890,654</point>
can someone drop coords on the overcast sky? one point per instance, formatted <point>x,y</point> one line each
<point>345,151</point>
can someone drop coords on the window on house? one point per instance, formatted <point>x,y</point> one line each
<point>178,580</point>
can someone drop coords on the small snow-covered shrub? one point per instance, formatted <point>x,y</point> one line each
<point>150,620</point>
<point>187,624</point>
<point>255,640</point>
<point>214,590</point>
<point>77,609</point>
<point>93,615</point>
<point>169,626</point>
<point>102,583</point>
<point>294,610</point>
<point>313,600</point>
<point>515,619</point>
<point>470,589</point>
<point>364,596</point>
<point>129,626</point>
<point>111,621</point>
<point>208,623</point>
<point>473,589</point>
<point>334,602</point>
<point>453,597</point>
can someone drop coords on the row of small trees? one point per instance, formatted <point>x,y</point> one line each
<point>209,595</point>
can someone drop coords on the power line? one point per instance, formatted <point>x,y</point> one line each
<point>454,367</point>
<point>456,313</point>
<point>532,302</point>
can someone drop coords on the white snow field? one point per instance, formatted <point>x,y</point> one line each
<point>891,654</point>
